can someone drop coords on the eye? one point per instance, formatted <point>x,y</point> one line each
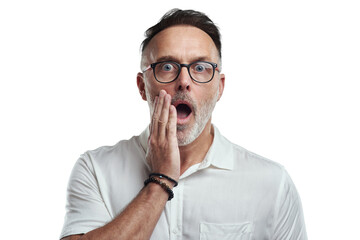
<point>167,67</point>
<point>199,68</point>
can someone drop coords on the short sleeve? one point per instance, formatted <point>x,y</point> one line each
<point>85,208</point>
<point>289,219</point>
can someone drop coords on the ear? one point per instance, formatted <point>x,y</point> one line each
<point>141,85</point>
<point>221,85</point>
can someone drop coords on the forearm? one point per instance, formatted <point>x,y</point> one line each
<point>138,219</point>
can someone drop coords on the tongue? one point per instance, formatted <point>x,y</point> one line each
<point>183,111</point>
<point>182,114</point>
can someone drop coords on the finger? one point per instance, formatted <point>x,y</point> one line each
<point>163,119</point>
<point>171,131</point>
<point>152,114</point>
<point>157,112</point>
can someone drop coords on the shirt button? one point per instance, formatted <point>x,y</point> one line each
<point>174,231</point>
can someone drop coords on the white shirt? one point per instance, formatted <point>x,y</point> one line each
<point>232,194</point>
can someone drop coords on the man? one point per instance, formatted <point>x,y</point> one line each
<point>198,185</point>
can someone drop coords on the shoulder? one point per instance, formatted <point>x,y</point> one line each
<point>255,160</point>
<point>244,158</point>
<point>107,158</point>
<point>108,153</point>
<point>248,163</point>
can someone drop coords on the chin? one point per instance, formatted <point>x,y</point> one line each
<point>186,135</point>
<point>184,141</point>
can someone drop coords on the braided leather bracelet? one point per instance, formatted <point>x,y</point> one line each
<point>162,184</point>
<point>164,176</point>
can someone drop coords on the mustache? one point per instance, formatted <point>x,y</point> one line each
<point>184,97</point>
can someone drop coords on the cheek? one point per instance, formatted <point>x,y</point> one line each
<point>211,92</point>
<point>153,89</point>
<point>209,99</point>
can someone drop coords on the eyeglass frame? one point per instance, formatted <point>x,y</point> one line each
<point>181,65</point>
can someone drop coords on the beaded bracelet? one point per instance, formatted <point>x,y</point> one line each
<point>164,176</point>
<point>162,184</point>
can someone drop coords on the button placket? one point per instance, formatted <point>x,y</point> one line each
<point>176,212</point>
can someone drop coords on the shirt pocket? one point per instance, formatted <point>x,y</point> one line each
<point>232,231</point>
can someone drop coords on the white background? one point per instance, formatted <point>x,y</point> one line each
<point>68,84</point>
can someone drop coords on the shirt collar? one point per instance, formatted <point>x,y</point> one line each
<point>143,138</point>
<point>220,154</point>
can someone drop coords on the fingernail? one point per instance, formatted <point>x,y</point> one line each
<point>162,93</point>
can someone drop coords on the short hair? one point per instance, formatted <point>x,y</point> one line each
<point>185,17</point>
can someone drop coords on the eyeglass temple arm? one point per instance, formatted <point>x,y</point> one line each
<point>147,68</point>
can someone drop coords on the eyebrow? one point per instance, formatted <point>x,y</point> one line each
<point>174,59</point>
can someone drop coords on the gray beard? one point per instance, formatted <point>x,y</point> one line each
<point>202,114</point>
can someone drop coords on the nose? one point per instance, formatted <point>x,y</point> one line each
<point>184,80</point>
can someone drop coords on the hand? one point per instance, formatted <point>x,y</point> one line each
<point>163,152</point>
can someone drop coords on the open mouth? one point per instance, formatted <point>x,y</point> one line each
<point>183,111</point>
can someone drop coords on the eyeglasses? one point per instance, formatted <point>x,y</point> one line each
<point>168,71</point>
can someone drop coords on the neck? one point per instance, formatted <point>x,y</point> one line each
<point>195,152</point>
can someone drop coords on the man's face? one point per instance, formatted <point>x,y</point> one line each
<point>194,101</point>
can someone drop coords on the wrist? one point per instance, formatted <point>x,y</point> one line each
<point>166,188</point>
<point>164,177</point>
<point>170,184</point>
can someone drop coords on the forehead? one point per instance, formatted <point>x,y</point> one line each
<point>182,43</point>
